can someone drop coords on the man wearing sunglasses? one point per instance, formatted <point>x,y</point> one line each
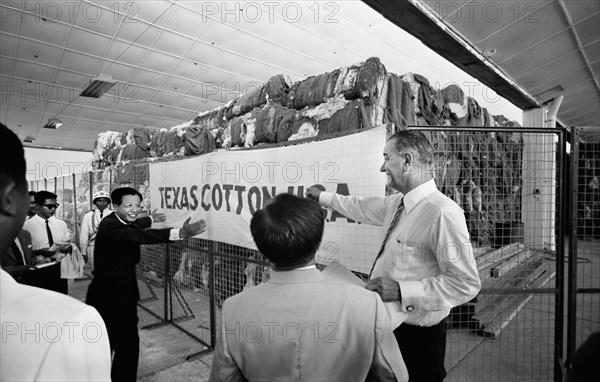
<point>51,239</point>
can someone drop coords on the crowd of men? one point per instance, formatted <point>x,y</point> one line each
<point>301,325</point>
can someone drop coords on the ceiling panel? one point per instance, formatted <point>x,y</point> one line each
<point>540,54</point>
<point>8,45</point>
<point>581,9</point>
<point>50,32</point>
<point>173,43</point>
<point>88,42</point>
<point>136,31</point>
<point>188,62</point>
<point>592,51</point>
<point>34,72</point>
<point>588,30</point>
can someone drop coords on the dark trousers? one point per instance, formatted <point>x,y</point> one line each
<point>121,323</point>
<point>423,350</point>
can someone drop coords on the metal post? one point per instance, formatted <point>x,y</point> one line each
<point>55,185</point>
<point>560,264</point>
<point>91,190</point>
<point>211,292</point>
<point>63,198</point>
<point>572,270</point>
<point>75,223</point>
<point>168,305</point>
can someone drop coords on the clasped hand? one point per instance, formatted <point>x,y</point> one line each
<point>192,229</point>
<point>386,288</point>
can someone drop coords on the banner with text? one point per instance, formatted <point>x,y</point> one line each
<point>226,187</point>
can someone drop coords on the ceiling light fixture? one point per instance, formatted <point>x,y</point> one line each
<point>29,139</point>
<point>53,123</point>
<point>98,86</point>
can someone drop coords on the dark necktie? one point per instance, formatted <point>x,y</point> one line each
<point>388,233</point>
<point>101,213</point>
<point>49,232</point>
<point>17,253</point>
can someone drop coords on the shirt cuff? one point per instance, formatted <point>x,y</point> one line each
<point>326,198</point>
<point>174,234</point>
<point>412,293</point>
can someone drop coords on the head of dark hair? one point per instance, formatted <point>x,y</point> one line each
<point>32,193</point>
<point>41,196</point>
<point>12,158</point>
<point>288,230</point>
<point>117,195</point>
<point>416,142</point>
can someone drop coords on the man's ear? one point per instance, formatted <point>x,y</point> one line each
<point>8,199</point>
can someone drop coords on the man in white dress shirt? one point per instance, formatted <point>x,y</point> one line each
<point>46,336</point>
<point>426,262</point>
<point>89,225</point>
<point>51,239</point>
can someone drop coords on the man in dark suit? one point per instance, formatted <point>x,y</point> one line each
<point>114,289</point>
<point>19,257</point>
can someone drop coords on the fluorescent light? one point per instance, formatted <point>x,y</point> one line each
<point>53,123</point>
<point>98,86</point>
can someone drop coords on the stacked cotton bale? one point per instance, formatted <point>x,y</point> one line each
<point>480,171</point>
<point>349,98</point>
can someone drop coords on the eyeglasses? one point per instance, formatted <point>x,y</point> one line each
<point>51,206</point>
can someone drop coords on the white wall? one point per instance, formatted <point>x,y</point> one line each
<point>49,163</point>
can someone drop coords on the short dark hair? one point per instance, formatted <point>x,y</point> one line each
<point>32,193</point>
<point>41,196</point>
<point>288,230</point>
<point>12,159</point>
<point>414,140</point>
<point>116,196</point>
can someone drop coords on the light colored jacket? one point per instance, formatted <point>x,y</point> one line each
<point>302,326</point>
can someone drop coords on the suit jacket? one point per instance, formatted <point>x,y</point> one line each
<point>74,348</point>
<point>116,254</point>
<point>302,326</point>
<point>9,260</point>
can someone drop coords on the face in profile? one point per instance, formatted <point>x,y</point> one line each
<point>129,208</point>
<point>32,207</point>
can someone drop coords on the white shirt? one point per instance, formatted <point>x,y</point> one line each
<point>89,227</point>
<point>39,237</point>
<point>428,253</point>
<point>48,336</point>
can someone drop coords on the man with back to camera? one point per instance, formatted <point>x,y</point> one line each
<point>425,262</point>
<point>89,225</point>
<point>301,325</point>
<point>47,336</point>
<point>114,289</point>
<point>51,239</point>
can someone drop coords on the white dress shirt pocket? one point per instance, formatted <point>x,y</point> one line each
<point>405,256</point>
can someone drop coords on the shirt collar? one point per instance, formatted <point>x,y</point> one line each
<point>41,218</point>
<point>414,196</point>
<point>121,220</point>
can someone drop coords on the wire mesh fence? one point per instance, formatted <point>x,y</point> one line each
<point>508,182</point>
<point>584,264</point>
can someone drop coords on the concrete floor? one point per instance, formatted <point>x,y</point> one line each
<point>523,351</point>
